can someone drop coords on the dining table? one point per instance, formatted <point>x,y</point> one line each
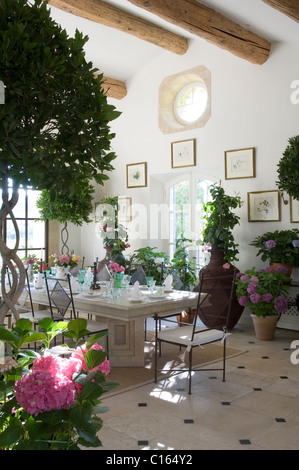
<point>125,316</point>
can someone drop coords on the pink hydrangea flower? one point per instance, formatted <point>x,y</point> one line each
<point>243,301</point>
<point>255,298</point>
<point>41,391</point>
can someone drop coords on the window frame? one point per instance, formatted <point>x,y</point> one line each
<point>24,252</point>
<point>192,177</point>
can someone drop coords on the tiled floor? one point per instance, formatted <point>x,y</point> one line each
<point>256,408</point>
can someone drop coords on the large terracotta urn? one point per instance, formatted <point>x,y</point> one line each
<point>215,269</point>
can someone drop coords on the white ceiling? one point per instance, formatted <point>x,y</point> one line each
<point>119,55</point>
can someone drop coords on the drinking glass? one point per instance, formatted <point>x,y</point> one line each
<point>81,278</point>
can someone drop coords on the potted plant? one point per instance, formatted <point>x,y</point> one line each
<point>263,291</point>
<point>279,247</point>
<point>288,169</point>
<point>48,401</point>
<point>151,260</point>
<point>220,221</point>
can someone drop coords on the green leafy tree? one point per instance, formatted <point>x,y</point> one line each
<point>54,124</point>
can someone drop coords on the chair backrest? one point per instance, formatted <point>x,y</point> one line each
<point>178,273</point>
<point>138,272</point>
<point>215,307</point>
<point>60,296</point>
<point>104,274</point>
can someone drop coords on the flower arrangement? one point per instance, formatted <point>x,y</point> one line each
<point>280,246</point>
<point>34,262</point>
<point>68,260</point>
<point>263,291</point>
<point>116,269</point>
<point>49,402</point>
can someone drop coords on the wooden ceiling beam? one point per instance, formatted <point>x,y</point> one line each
<point>288,7</point>
<point>211,26</point>
<point>108,15</point>
<point>114,88</point>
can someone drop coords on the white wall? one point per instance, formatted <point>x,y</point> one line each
<point>250,107</point>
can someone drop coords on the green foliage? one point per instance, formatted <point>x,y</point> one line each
<point>220,221</point>
<point>150,260</point>
<point>280,246</point>
<point>181,259</point>
<point>59,429</point>
<point>54,131</point>
<point>114,235</point>
<point>288,169</point>
<point>75,208</point>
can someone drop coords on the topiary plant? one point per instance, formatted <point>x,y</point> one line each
<point>288,169</point>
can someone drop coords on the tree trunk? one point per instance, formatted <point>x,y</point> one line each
<point>10,261</point>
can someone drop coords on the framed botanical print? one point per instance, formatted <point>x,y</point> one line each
<point>239,163</point>
<point>263,206</point>
<point>183,153</point>
<point>137,175</point>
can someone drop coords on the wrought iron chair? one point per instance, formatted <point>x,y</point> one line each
<point>213,310</point>
<point>62,305</point>
<point>30,313</point>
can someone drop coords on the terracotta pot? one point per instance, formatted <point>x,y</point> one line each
<point>265,326</point>
<point>186,317</point>
<point>214,269</point>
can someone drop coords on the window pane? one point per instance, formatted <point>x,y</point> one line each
<point>33,211</point>
<point>19,209</point>
<point>36,234</point>
<point>11,234</point>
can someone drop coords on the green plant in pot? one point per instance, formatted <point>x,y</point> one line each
<point>263,291</point>
<point>220,221</point>
<point>279,247</point>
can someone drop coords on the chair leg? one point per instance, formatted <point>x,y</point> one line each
<point>190,370</point>
<point>156,348</point>
<point>224,357</point>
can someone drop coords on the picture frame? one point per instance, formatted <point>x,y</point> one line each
<point>125,209</point>
<point>294,210</point>
<point>239,163</point>
<point>137,175</point>
<point>263,206</point>
<point>183,153</point>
